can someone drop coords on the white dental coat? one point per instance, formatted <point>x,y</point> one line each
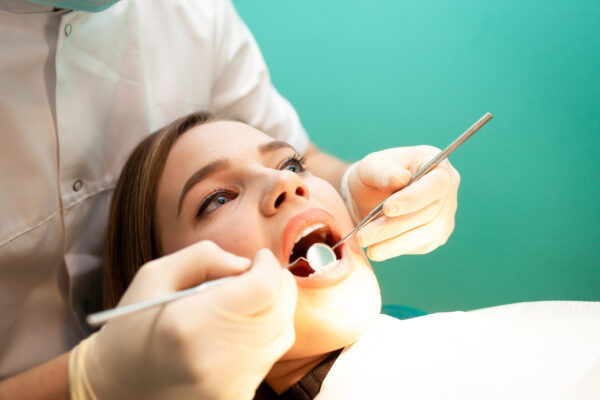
<point>77,91</point>
<point>541,350</point>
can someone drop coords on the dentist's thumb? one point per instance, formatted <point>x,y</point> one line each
<point>262,288</point>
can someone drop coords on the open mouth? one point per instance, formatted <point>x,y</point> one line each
<point>316,233</point>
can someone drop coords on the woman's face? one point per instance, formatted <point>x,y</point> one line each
<point>232,184</point>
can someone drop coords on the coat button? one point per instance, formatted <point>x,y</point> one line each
<point>68,29</point>
<point>77,185</point>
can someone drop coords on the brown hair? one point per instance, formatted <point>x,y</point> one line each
<point>131,240</point>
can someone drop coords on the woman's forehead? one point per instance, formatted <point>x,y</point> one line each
<point>222,136</point>
<point>216,141</point>
<point>206,147</point>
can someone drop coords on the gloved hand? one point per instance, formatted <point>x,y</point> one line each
<point>417,219</point>
<point>218,344</point>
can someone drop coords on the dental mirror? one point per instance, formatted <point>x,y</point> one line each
<point>319,255</point>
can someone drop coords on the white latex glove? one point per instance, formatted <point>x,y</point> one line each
<point>218,344</point>
<point>417,219</point>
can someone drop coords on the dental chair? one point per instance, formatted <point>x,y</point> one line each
<point>401,312</point>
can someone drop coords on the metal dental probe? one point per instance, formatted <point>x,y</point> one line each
<point>377,211</point>
<point>99,318</point>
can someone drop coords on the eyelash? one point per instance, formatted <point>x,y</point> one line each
<point>296,158</point>
<point>212,196</point>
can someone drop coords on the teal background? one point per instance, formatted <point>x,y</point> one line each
<point>366,75</point>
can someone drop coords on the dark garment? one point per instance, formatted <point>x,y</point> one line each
<point>306,388</point>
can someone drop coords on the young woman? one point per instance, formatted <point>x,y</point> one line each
<point>230,183</point>
<point>205,179</point>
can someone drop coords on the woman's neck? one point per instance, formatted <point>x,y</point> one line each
<point>286,373</point>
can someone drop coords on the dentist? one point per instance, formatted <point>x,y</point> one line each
<point>81,83</point>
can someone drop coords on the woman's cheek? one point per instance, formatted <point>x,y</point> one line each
<point>232,235</point>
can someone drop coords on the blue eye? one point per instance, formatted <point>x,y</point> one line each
<point>215,200</point>
<point>294,164</point>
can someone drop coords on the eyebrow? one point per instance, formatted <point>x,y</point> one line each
<point>222,163</point>
<point>199,175</point>
<point>274,145</point>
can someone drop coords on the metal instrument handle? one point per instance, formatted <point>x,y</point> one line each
<point>377,211</point>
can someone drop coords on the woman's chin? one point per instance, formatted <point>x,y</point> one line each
<point>332,317</point>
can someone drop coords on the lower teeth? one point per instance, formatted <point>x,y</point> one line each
<point>325,268</point>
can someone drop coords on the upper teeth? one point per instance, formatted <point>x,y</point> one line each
<point>306,231</point>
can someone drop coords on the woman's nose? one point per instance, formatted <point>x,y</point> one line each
<point>285,187</point>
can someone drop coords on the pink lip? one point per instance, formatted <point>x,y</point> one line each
<point>305,219</point>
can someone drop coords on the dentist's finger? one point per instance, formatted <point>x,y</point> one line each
<point>272,326</point>
<point>245,308</point>
<point>430,188</point>
<point>216,262</point>
<point>191,266</point>
<point>384,228</point>
<point>382,174</point>
<point>407,243</point>
<point>421,240</point>
<point>259,289</point>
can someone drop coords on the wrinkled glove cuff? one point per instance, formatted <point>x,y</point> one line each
<point>79,384</point>
<point>345,192</point>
